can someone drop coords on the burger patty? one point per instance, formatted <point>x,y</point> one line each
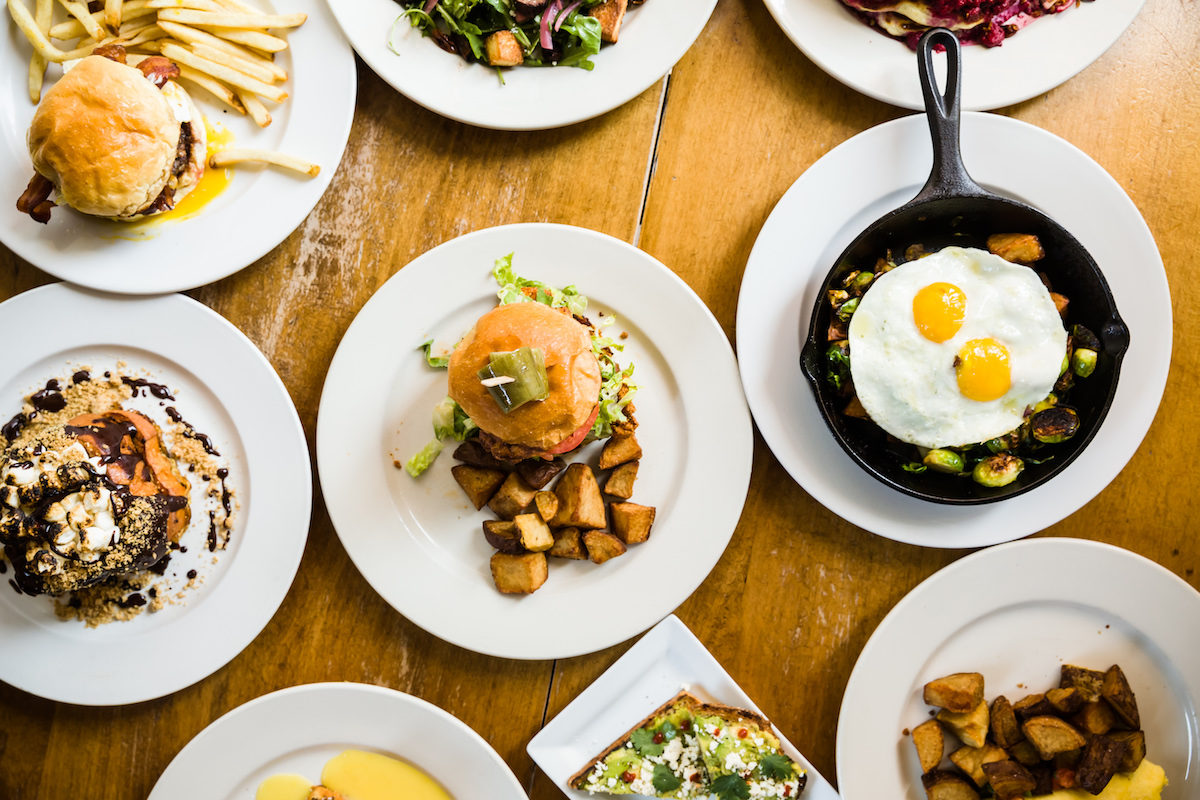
<point>183,156</point>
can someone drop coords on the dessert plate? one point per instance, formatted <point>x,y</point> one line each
<point>257,211</point>
<point>1041,56</point>
<point>297,730</point>
<point>1076,602</point>
<point>664,661</point>
<point>653,37</point>
<point>847,189</point>
<point>227,390</point>
<point>419,541</point>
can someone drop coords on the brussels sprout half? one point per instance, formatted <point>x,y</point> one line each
<point>998,470</point>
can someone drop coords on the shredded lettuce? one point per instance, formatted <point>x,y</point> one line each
<point>449,419</point>
<point>437,362</point>
<point>424,458</point>
<point>512,289</point>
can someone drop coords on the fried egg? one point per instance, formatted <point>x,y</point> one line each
<point>952,348</point>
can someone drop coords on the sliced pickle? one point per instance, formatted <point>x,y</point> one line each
<point>527,368</point>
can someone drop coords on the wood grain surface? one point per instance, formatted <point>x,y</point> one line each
<point>799,591</point>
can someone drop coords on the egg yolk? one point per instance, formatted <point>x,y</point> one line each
<point>983,371</point>
<point>938,310</point>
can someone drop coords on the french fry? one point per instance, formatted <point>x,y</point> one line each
<point>142,36</point>
<point>73,28</point>
<point>241,155</point>
<point>256,39</point>
<point>254,107</point>
<point>28,26</point>
<point>214,87</point>
<point>230,20</point>
<point>234,78</point>
<point>198,5</point>
<point>195,36</point>
<point>43,16</point>
<point>79,11</point>
<point>112,13</point>
<point>234,62</point>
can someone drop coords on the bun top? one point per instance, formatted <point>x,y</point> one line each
<point>106,137</point>
<point>572,370</point>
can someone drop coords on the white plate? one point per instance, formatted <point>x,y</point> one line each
<point>226,389</point>
<point>257,211</point>
<point>419,542</point>
<point>297,730</point>
<point>667,659</point>
<point>653,37</point>
<point>1060,601</point>
<point>1048,52</point>
<point>855,184</point>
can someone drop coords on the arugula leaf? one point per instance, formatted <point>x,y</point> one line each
<point>776,766</point>
<point>643,742</point>
<point>731,787</point>
<point>664,780</point>
<point>585,42</point>
<point>437,362</point>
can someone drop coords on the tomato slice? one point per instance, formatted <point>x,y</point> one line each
<point>576,438</point>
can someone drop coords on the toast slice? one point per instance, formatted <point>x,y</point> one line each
<point>742,755</point>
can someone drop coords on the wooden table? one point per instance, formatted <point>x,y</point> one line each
<point>798,592</point>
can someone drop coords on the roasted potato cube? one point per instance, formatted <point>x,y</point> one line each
<point>580,504</point>
<point>1137,748</point>
<point>513,497</point>
<point>971,727</point>
<point>1101,759</point>
<point>1044,775</point>
<point>1065,701</point>
<point>929,741</point>
<point>941,784</point>
<point>1117,692</point>
<point>1009,779</point>
<point>503,50</point>
<point>478,482</point>
<point>959,692</point>
<point>601,546</point>
<point>1019,248</point>
<point>538,472</point>
<point>546,504</point>
<point>1060,302</point>
<point>1005,729</point>
<point>568,543</point>
<point>619,450</point>
<point>1051,736</point>
<point>503,536</point>
<point>611,14</point>
<point>533,532</point>
<point>1096,717</point>
<point>519,574</point>
<point>620,482</point>
<point>1067,760</point>
<point>1085,681</point>
<point>1025,752</point>
<point>1032,705</point>
<point>632,522</point>
<point>472,452</point>
<point>971,760</point>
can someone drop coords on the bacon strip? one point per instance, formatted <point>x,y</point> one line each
<point>35,200</point>
<point>113,52</point>
<point>159,70</point>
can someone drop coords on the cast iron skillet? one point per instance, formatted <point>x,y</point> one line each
<point>953,209</point>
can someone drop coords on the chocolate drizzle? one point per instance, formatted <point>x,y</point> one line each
<point>226,495</point>
<point>212,531</point>
<point>12,428</point>
<point>157,389</point>
<point>107,437</point>
<point>191,432</point>
<point>49,399</point>
<point>83,376</point>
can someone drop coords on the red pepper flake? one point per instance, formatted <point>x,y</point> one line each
<point>657,738</point>
<point>716,731</point>
<point>743,733</point>
<point>628,776</point>
<point>686,725</point>
<point>695,778</point>
<point>787,790</point>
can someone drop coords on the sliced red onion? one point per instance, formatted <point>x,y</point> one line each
<point>429,4</point>
<point>566,12</point>
<point>544,29</point>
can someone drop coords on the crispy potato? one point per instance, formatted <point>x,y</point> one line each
<point>513,497</point>
<point>944,785</point>
<point>478,483</point>
<point>546,504</point>
<point>472,452</point>
<point>620,481</point>
<point>519,574</point>
<point>1101,759</point>
<point>1065,701</point>
<point>503,50</point>
<point>1009,779</point>
<point>1096,717</point>
<point>568,543</point>
<point>1005,729</point>
<point>611,14</point>
<point>971,760</point>
<point>1117,692</point>
<point>959,692</point>
<point>1032,705</point>
<point>538,472</point>
<point>533,532</point>
<point>632,522</point>
<point>601,546</point>
<point>971,727</point>
<point>1050,735</point>
<point>1086,681</point>
<point>1025,752</point>
<point>1060,302</point>
<point>619,450</point>
<point>1019,248</point>
<point>929,741</point>
<point>503,536</point>
<point>1137,748</point>
<point>580,504</point>
<point>1067,760</point>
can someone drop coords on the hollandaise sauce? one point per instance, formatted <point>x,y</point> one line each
<point>284,787</point>
<point>358,775</point>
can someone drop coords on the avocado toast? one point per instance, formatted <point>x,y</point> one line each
<point>690,749</point>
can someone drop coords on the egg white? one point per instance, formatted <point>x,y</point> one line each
<point>908,384</point>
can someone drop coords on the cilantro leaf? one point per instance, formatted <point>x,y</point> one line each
<point>731,787</point>
<point>437,362</point>
<point>776,766</point>
<point>664,780</point>
<point>668,731</point>
<point>643,742</point>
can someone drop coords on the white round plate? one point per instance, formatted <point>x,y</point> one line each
<point>848,189</point>
<point>297,730</point>
<point>419,541</point>
<point>225,388</point>
<point>257,211</point>
<point>653,37</point>
<point>1039,57</point>
<point>1016,613</point>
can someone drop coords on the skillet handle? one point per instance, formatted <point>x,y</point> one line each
<point>949,176</point>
